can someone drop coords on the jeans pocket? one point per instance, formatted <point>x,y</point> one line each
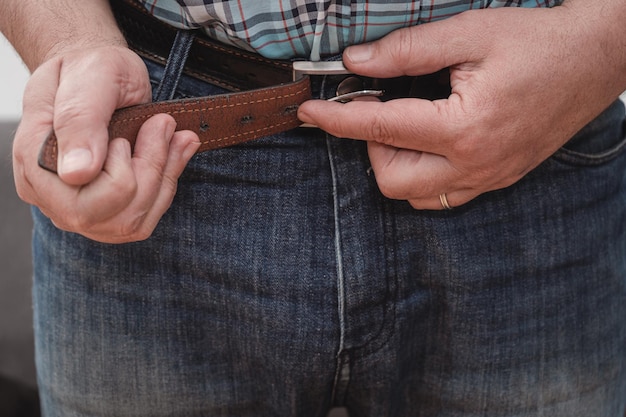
<point>602,140</point>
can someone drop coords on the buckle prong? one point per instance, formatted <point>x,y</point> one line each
<point>302,68</point>
<point>344,98</point>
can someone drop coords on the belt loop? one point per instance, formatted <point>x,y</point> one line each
<point>175,64</point>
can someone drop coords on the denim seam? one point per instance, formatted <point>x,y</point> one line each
<point>579,158</point>
<point>342,373</point>
<point>175,65</point>
<point>340,281</point>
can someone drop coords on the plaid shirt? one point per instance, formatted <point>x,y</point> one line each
<point>311,28</point>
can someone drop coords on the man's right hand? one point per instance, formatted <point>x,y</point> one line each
<point>102,191</point>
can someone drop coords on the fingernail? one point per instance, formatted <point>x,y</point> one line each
<point>304,118</point>
<point>303,114</point>
<point>359,53</point>
<point>190,150</point>
<point>169,130</point>
<point>75,160</point>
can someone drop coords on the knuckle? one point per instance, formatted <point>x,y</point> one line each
<point>399,49</point>
<point>380,129</point>
<point>156,167</point>
<point>467,147</point>
<point>125,70</point>
<point>124,189</point>
<point>142,235</point>
<point>415,204</point>
<point>388,186</point>
<point>170,187</point>
<point>470,139</point>
<point>24,194</point>
<point>76,221</point>
<point>333,125</point>
<point>126,231</point>
<point>135,229</point>
<point>22,185</point>
<point>135,86</point>
<point>71,113</point>
<point>59,224</point>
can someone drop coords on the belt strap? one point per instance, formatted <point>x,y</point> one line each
<point>268,107</point>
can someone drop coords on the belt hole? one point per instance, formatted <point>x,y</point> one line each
<point>247,119</point>
<point>290,109</point>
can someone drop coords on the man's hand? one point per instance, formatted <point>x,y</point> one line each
<point>523,82</point>
<point>102,191</point>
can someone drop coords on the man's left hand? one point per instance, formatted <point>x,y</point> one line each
<point>523,82</point>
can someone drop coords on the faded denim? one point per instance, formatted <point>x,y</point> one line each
<point>281,282</point>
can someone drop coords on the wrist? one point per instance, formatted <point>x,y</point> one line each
<point>601,31</point>
<point>40,30</point>
<point>78,44</point>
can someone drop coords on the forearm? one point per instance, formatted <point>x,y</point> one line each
<point>41,29</point>
<point>602,29</point>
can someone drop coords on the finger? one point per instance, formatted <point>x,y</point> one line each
<point>404,174</point>
<point>418,177</point>
<point>150,158</point>
<point>139,218</point>
<point>128,184</point>
<point>80,208</point>
<point>159,167</point>
<point>156,158</point>
<point>127,178</point>
<point>404,123</point>
<point>38,102</point>
<point>183,146</point>
<point>417,50</point>
<point>114,204</point>
<point>111,192</point>
<point>36,124</point>
<point>83,108</point>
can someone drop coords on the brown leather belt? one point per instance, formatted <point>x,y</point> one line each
<point>264,99</point>
<point>269,107</point>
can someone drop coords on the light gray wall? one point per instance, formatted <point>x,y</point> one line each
<point>16,340</point>
<point>13,74</point>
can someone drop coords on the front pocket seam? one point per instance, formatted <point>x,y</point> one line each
<point>580,158</point>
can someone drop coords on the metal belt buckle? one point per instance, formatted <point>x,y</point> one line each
<point>346,90</point>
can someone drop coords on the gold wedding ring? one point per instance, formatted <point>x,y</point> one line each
<point>444,201</point>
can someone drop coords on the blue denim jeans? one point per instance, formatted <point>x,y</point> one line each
<point>282,283</point>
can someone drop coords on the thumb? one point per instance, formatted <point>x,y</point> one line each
<point>90,88</point>
<point>417,50</point>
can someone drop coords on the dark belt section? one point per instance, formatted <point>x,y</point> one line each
<point>264,98</point>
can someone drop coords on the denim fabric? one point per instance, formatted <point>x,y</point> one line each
<point>281,282</point>
<point>167,86</point>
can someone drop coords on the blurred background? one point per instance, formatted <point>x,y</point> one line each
<point>17,371</point>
